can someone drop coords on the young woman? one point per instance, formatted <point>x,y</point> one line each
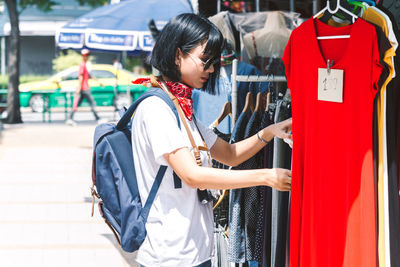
<point>179,226</point>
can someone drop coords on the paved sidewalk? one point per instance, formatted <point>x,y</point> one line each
<point>45,202</point>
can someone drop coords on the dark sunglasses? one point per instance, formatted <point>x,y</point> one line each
<point>207,64</point>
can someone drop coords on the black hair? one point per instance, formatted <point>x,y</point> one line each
<point>186,31</point>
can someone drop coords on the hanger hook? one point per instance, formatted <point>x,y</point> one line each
<point>336,9</point>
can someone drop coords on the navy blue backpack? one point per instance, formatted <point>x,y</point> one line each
<point>113,174</point>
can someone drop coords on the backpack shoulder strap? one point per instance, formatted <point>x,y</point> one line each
<point>164,87</point>
<point>126,118</point>
<point>153,192</point>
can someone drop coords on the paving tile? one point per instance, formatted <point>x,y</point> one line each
<point>22,257</point>
<point>45,202</point>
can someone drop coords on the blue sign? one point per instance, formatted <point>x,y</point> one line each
<point>110,41</point>
<point>70,38</point>
<point>147,41</point>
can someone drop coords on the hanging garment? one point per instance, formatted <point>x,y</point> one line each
<point>333,221</point>
<point>266,197</point>
<point>269,41</point>
<point>280,200</point>
<point>392,7</point>
<point>251,196</point>
<point>252,21</point>
<point>265,46</point>
<point>237,245</point>
<point>388,122</point>
<point>391,34</point>
<point>206,107</point>
<point>384,46</point>
<point>221,248</point>
<point>386,55</point>
<point>226,137</point>
<point>372,15</point>
<point>263,205</point>
<point>222,21</point>
<point>392,111</point>
<point>246,87</point>
<point>398,159</point>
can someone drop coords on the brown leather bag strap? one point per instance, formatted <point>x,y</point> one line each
<point>204,147</point>
<point>161,84</point>
<point>202,138</point>
<point>116,235</point>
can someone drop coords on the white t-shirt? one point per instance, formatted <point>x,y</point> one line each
<point>179,228</point>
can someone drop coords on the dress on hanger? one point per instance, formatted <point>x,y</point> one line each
<point>333,220</point>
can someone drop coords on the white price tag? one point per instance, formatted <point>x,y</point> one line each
<point>330,85</point>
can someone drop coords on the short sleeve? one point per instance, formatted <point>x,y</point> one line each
<point>376,65</point>
<point>158,128</point>
<point>209,136</point>
<point>383,46</point>
<point>287,59</point>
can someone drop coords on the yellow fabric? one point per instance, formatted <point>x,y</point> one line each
<point>372,16</point>
<point>333,23</point>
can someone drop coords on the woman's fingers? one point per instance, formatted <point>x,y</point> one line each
<point>282,179</point>
<point>284,129</point>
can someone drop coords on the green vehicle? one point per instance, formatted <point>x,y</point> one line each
<point>58,90</point>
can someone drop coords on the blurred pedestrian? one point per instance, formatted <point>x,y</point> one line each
<point>83,89</point>
<point>116,64</point>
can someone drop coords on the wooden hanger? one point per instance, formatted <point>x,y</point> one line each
<point>248,104</point>
<point>226,110</point>
<point>259,102</point>
<point>268,101</point>
<point>221,197</point>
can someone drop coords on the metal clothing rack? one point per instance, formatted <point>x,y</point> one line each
<point>247,78</point>
<point>257,6</point>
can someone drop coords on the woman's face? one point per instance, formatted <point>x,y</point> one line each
<point>191,66</point>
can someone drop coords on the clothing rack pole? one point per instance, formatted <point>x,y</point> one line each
<point>234,91</point>
<point>260,78</point>
<point>291,5</point>
<point>315,7</point>
<point>247,78</point>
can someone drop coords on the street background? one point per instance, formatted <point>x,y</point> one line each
<point>45,201</point>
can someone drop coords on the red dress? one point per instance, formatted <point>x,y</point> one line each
<point>333,220</point>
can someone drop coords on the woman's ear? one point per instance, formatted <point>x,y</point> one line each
<point>178,57</point>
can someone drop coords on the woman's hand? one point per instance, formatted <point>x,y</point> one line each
<point>282,129</point>
<point>280,179</point>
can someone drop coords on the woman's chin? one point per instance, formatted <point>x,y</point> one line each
<point>199,85</point>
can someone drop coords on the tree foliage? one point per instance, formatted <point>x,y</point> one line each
<point>44,5</point>
<point>93,3</point>
<point>62,62</point>
<point>15,7</point>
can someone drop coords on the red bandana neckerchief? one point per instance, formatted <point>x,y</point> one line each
<point>182,92</point>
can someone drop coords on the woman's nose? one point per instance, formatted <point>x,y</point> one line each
<point>210,69</point>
